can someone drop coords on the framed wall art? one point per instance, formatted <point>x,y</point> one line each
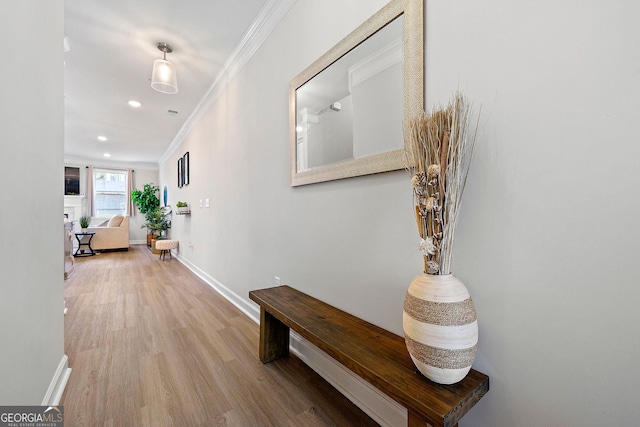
<point>185,169</point>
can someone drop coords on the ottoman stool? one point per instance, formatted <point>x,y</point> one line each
<point>166,246</point>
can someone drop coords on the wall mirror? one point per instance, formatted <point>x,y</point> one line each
<point>349,110</point>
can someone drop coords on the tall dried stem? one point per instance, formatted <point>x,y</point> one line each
<point>439,152</point>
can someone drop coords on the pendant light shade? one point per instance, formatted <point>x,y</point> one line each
<point>163,78</point>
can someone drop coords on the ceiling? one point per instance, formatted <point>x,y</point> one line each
<point>112,49</point>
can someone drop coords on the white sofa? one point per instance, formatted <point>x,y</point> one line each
<point>113,235</point>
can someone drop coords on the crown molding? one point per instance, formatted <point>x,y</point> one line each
<point>266,21</point>
<point>106,163</point>
<point>377,62</point>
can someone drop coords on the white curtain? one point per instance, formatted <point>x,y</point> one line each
<point>90,204</point>
<point>130,210</point>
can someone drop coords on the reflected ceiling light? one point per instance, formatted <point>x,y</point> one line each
<point>135,104</point>
<point>107,155</point>
<point>163,78</point>
<point>102,138</point>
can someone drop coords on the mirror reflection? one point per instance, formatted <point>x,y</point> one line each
<point>353,108</point>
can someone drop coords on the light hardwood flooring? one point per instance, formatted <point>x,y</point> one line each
<point>150,344</point>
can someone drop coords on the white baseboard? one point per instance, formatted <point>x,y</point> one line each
<point>58,383</point>
<point>382,409</point>
<point>245,305</point>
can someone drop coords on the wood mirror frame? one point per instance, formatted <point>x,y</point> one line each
<point>413,52</point>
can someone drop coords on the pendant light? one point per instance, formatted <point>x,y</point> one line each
<point>163,78</point>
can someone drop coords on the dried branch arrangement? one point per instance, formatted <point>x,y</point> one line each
<point>439,153</point>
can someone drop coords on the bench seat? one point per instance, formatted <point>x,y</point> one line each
<point>376,355</point>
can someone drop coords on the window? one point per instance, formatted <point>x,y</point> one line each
<point>109,192</point>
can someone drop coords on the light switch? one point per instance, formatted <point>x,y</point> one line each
<point>206,203</point>
<point>200,202</point>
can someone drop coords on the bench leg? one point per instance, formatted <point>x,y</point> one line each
<point>274,337</point>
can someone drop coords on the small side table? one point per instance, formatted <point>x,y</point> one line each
<point>84,239</point>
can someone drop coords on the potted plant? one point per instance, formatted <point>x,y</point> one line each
<point>84,222</point>
<point>157,222</point>
<point>146,200</point>
<point>183,207</point>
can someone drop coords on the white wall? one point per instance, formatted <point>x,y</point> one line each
<point>547,237</point>
<point>331,139</point>
<point>31,223</point>
<point>378,110</point>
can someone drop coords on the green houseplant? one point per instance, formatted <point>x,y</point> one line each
<point>157,222</point>
<point>146,199</point>
<point>85,221</point>
<point>183,207</point>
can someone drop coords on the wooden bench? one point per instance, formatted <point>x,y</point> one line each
<point>376,355</point>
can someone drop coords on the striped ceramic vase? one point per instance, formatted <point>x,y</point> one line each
<point>440,327</point>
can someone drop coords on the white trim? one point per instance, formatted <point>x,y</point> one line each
<point>385,57</point>
<point>109,164</point>
<point>243,305</point>
<point>268,18</point>
<point>58,383</point>
<point>382,409</point>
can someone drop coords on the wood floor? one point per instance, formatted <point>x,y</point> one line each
<point>150,344</point>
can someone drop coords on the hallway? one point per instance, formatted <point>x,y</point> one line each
<point>151,344</point>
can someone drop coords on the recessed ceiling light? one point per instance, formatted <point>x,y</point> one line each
<point>107,155</point>
<point>135,104</point>
<point>102,138</point>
